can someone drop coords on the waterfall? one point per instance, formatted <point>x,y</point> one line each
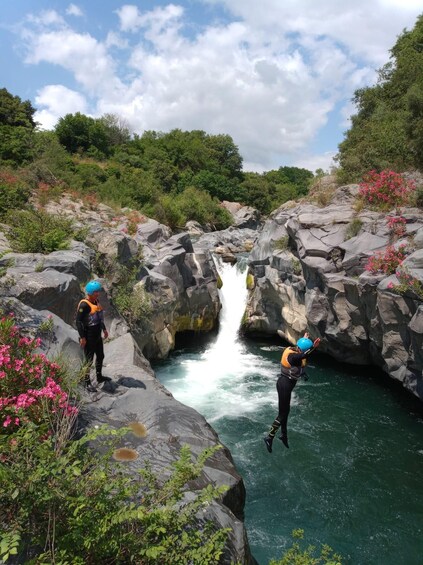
<point>223,379</point>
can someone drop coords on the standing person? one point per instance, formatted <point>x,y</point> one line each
<point>293,363</point>
<point>90,325</point>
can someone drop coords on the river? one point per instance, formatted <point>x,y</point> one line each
<point>353,475</point>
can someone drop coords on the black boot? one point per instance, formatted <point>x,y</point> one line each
<point>89,387</point>
<point>268,441</point>
<point>102,379</point>
<point>284,440</point>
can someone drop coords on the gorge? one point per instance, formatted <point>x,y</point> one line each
<point>304,272</point>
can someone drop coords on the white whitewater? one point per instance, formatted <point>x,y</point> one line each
<point>223,380</point>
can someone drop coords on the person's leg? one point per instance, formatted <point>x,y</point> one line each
<point>285,387</point>
<point>99,357</point>
<point>89,351</point>
<point>268,440</point>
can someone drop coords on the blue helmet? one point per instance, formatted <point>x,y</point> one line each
<point>304,344</point>
<point>92,286</point>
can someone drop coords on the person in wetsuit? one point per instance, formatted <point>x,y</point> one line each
<point>90,326</point>
<point>293,362</point>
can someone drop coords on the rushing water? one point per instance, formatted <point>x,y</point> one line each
<point>353,476</point>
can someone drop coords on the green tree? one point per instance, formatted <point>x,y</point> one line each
<point>117,129</point>
<point>16,128</point>
<point>80,133</point>
<point>387,131</point>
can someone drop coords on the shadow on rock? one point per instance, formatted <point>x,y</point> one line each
<point>129,382</point>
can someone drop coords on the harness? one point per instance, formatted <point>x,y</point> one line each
<point>287,370</point>
<point>96,315</point>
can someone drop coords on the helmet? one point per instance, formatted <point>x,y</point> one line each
<point>304,344</point>
<point>92,286</point>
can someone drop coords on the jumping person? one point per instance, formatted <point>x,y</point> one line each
<point>90,325</point>
<point>293,362</point>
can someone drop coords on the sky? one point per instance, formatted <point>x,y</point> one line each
<point>278,76</point>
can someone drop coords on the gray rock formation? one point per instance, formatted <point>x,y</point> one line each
<point>181,283</point>
<point>309,274</point>
<point>135,395</point>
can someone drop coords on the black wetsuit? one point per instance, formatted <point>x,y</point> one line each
<point>285,385</point>
<point>90,326</point>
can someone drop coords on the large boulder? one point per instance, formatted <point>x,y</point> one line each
<point>135,395</point>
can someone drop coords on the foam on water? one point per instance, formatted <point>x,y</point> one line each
<point>227,375</point>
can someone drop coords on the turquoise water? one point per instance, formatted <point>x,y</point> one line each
<point>353,475</point>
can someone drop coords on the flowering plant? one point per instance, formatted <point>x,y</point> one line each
<point>407,283</point>
<point>30,384</point>
<point>385,189</point>
<point>396,225</point>
<point>386,261</point>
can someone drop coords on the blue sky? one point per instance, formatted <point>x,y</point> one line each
<point>276,75</point>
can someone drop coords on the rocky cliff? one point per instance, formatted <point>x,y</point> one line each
<point>309,274</point>
<point>180,285</point>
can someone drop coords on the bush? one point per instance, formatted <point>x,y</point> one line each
<point>35,231</point>
<point>419,197</point>
<point>385,190</point>
<point>397,225</point>
<point>407,283</point>
<point>12,193</point>
<point>386,261</point>
<point>61,502</point>
<point>297,555</point>
<point>282,243</point>
<point>30,384</point>
<point>353,228</point>
<point>131,299</point>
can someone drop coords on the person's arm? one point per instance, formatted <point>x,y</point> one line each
<point>316,344</point>
<point>103,326</point>
<point>81,314</point>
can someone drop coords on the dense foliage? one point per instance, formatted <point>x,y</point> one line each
<point>61,502</point>
<point>387,131</point>
<point>16,128</point>
<point>173,177</point>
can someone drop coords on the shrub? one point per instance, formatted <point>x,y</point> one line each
<point>407,283</point>
<point>396,225</point>
<point>296,267</point>
<point>12,193</point>
<point>419,197</point>
<point>386,189</point>
<point>353,228</point>
<point>386,261</point>
<point>76,506</point>
<point>282,243</point>
<point>35,231</point>
<point>307,555</point>
<point>61,502</point>
<point>29,383</point>
<point>130,297</point>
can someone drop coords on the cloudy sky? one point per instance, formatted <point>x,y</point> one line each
<point>276,75</point>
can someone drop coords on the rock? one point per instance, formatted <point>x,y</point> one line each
<point>49,290</point>
<point>309,275</point>
<point>57,337</point>
<point>134,395</point>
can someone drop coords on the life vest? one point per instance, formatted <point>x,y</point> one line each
<point>287,369</point>
<point>96,315</point>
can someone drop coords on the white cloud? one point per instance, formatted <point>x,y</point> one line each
<point>314,162</point>
<point>47,18</point>
<point>56,101</point>
<point>81,54</point>
<point>270,79</point>
<point>73,10</point>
